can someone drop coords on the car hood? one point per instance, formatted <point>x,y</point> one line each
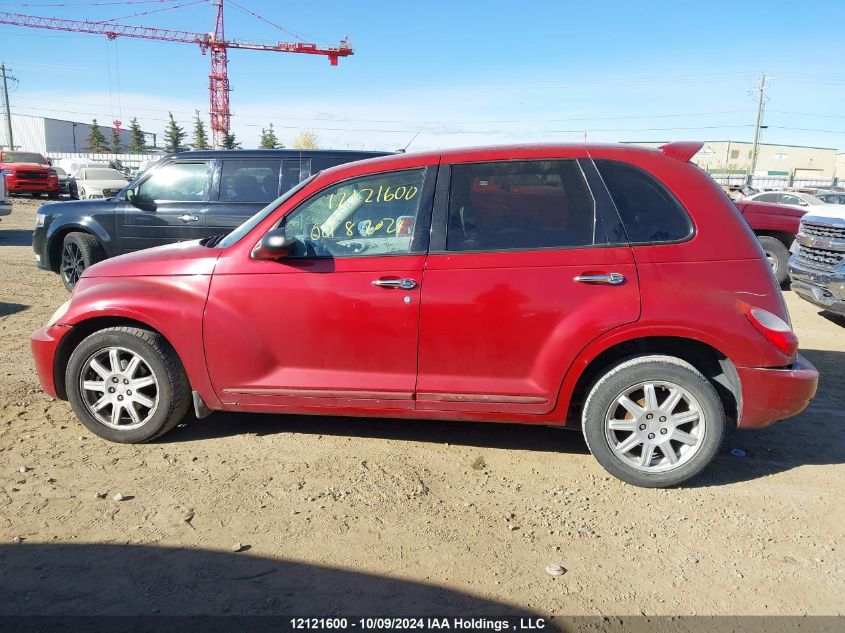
<point>102,184</point>
<point>771,208</point>
<point>183,258</point>
<point>78,207</point>
<point>826,211</point>
<point>25,166</point>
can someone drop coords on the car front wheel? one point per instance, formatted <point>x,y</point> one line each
<point>653,421</point>
<point>79,251</point>
<point>127,384</point>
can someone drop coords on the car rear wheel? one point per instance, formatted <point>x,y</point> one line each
<point>79,251</point>
<point>777,255</point>
<point>127,384</point>
<point>653,421</point>
<point>81,194</point>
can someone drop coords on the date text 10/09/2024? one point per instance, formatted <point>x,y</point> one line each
<point>419,624</point>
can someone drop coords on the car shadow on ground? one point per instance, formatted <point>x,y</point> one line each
<point>475,434</point>
<point>838,319</point>
<point>815,437</point>
<point>11,308</point>
<point>133,580</point>
<point>15,237</point>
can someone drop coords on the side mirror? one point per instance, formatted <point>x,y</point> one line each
<point>139,201</point>
<point>273,245</point>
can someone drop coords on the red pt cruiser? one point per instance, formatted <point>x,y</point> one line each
<point>608,286</point>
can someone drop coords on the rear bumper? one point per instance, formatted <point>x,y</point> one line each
<point>5,208</point>
<point>44,344</point>
<point>771,395</point>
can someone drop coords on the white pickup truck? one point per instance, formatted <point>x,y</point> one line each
<point>5,205</point>
<point>817,267</point>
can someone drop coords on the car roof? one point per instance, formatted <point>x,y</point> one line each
<point>267,153</point>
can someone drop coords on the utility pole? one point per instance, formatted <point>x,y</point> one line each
<point>761,92</point>
<point>6,102</point>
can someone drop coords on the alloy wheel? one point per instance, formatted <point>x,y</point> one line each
<point>73,263</point>
<point>118,388</point>
<point>655,426</point>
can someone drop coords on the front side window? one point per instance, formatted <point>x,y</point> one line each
<point>369,216</point>
<point>180,182</point>
<point>649,211</point>
<point>255,180</point>
<point>787,198</point>
<point>520,205</point>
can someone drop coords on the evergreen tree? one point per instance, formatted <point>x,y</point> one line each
<point>173,135</point>
<point>229,141</point>
<point>115,142</point>
<point>200,136</point>
<point>269,140</point>
<point>137,142</point>
<point>96,140</point>
<point>307,139</point>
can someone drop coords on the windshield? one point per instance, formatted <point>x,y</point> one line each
<point>103,174</point>
<point>812,199</point>
<point>235,236</point>
<point>24,157</point>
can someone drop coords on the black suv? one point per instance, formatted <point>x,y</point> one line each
<point>184,196</point>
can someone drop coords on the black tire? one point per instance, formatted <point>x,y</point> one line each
<point>608,388</point>
<point>35,195</point>
<point>172,388</point>
<point>80,193</point>
<point>53,195</point>
<point>778,255</point>
<point>79,251</point>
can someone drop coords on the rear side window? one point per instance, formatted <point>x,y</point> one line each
<point>520,205</point>
<point>767,197</point>
<point>249,180</point>
<point>649,211</point>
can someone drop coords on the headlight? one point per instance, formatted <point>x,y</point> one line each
<point>39,220</point>
<point>58,314</point>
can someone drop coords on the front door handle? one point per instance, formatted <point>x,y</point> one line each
<point>402,284</point>
<point>611,279</point>
<point>188,218</point>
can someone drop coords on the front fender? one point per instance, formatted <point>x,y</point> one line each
<point>171,305</point>
<point>58,223</point>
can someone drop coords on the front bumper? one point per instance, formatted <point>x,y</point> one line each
<point>824,289</point>
<point>770,395</point>
<point>31,186</point>
<point>45,343</point>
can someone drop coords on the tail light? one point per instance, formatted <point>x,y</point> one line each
<point>773,328</point>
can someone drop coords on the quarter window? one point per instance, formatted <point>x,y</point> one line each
<point>182,182</point>
<point>649,211</point>
<point>369,216</point>
<point>249,180</point>
<point>520,205</point>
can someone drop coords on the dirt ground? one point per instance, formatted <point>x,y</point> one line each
<point>383,516</point>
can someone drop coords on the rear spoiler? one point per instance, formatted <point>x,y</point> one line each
<point>682,150</point>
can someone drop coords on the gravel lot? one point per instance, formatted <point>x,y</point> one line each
<point>392,517</point>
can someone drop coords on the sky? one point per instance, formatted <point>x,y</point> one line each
<point>452,73</point>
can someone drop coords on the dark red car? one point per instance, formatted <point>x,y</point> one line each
<point>776,226</point>
<point>610,287</point>
<point>29,172</point>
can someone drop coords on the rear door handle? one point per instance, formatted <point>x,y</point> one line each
<point>611,279</point>
<point>402,284</point>
<point>188,218</point>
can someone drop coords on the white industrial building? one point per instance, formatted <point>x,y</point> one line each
<point>777,165</point>
<point>56,136</point>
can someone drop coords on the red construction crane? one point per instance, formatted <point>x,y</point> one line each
<point>218,79</point>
